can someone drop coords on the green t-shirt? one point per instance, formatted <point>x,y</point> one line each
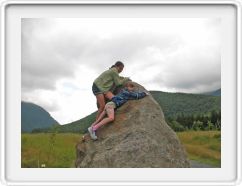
<point>108,79</point>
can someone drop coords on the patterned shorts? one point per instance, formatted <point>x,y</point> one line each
<point>110,105</point>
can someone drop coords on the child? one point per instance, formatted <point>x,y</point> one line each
<point>125,94</point>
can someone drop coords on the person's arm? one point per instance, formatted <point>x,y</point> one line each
<point>121,77</point>
<point>136,95</point>
<point>118,81</point>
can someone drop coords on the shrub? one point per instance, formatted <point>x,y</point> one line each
<point>176,126</point>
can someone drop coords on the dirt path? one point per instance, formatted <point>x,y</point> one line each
<point>195,164</point>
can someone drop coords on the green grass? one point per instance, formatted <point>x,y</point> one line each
<point>202,146</point>
<point>49,150</point>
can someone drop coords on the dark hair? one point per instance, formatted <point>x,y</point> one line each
<point>118,64</point>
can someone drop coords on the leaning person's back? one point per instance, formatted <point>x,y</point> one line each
<point>105,80</point>
<point>126,95</point>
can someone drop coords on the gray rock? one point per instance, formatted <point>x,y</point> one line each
<point>138,138</point>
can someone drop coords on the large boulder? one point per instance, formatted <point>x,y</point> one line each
<point>138,137</point>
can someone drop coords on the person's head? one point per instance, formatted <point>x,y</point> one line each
<point>130,86</point>
<point>119,66</point>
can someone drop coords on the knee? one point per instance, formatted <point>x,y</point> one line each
<point>111,118</point>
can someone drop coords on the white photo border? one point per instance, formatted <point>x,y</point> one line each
<point>3,167</point>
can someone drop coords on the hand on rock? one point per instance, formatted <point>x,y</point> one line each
<point>129,79</point>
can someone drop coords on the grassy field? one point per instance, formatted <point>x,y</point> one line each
<point>202,146</point>
<point>48,150</point>
<point>58,150</point>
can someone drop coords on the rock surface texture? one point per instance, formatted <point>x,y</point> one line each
<point>139,137</point>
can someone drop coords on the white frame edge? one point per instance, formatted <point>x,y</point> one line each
<point>2,88</point>
<point>239,95</point>
<point>236,3</point>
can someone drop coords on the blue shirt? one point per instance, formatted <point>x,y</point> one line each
<point>126,95</point>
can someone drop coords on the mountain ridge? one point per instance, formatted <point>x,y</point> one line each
<point>214,93</point>
<point>34,116</point>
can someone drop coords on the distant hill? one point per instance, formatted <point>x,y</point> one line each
<point>214,93</point>
<point>172,104</point>
<point>79,125</point>
<point>34,116</point>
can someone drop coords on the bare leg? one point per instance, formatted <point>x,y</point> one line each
<point>101,104</point>
<point>110,118</point>
<point>101,116</point>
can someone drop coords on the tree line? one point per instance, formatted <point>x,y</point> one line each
<point>205,122</point>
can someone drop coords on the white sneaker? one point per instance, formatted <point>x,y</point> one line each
<point>92,133</point>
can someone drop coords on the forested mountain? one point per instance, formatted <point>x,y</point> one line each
<point>174,104</point>
<point>34,116</point>
<point>190,111</point>
<point>181,110</point>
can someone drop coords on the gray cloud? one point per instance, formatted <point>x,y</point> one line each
<point>47,56</point>
<point>44,61</point>
<point>196,73</point>
<point>127,48</point>
<point>50,54</point>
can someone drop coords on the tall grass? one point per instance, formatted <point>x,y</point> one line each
<point>202,146</point>
<point>48,150</point>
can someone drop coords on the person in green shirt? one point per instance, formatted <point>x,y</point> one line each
<point>105,83</point>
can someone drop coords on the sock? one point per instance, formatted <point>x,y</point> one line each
<point>94,128</point>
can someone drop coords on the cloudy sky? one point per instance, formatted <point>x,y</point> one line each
<point>62,57</point>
